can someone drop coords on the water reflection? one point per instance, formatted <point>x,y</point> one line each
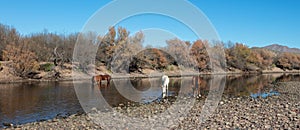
<point>22,103</point>
<point>244,85</point>
<point>288,77</point>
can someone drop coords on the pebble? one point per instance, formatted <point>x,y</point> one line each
<point>221,102</point>
<point>268,126</point>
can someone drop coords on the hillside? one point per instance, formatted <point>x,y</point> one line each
<point>281,48</point>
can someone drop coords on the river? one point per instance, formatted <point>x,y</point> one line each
<point>37,101</point>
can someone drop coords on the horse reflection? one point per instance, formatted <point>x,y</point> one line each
<point>192,86</point>
<point>196,86</point>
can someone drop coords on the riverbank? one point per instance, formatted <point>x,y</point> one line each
<point>282,111</point>
<point>67,75</point>
<point>70,72</point>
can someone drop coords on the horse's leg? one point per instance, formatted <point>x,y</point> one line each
<point>97,81</point>
<point>93,81</point>
<point>100,81</point>
<point>99,87</point>
<point>167,90</point>
<point>163,91</point>
<point>108,82</point>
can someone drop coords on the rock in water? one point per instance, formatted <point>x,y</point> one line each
<point>8,124</point>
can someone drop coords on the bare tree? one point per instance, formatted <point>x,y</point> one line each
<point>8,35</point>
<point>180,51</point>
<point>125,51</point>
<point>23,60</point>
<point>58,58</point>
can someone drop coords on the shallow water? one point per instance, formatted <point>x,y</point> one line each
<point>28,102</point>
<point>265,94</point>
<point>22,103</point>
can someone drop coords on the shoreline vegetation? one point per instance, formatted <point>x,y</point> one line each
<point>273,112</point>
<point>48,56</point>
<point>66,75</point>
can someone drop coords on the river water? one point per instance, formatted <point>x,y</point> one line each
<point>37,101</point>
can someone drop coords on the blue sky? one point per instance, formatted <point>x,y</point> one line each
<point>252,22</point>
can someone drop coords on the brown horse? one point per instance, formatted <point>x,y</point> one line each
<point>98,78</point>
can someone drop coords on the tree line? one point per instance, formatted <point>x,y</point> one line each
<point>120,52</point>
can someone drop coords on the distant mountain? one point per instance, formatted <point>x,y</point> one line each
<point>281,48</point>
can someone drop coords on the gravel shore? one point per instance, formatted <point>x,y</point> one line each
<point>275,112</point>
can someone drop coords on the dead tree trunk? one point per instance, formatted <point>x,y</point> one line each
<point>58,57</point>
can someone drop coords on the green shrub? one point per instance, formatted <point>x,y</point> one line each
<point>273,66</point>
<point>170,67</point>
<point>47,67</point>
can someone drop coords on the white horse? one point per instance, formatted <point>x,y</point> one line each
<point>165,85</point>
